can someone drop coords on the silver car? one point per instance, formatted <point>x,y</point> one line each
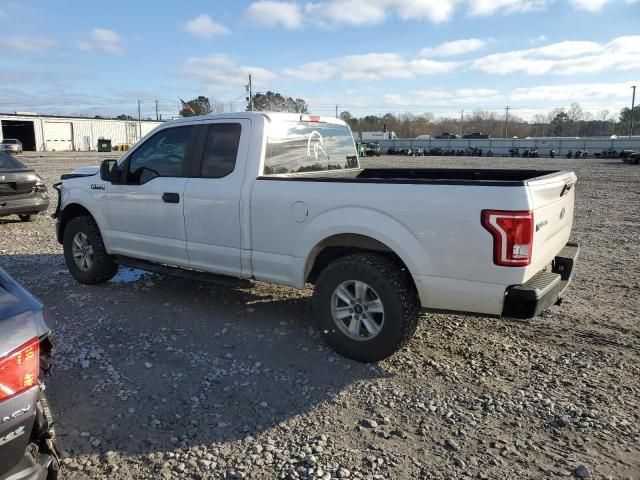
<point>11,145</point>
<point>27,450</point>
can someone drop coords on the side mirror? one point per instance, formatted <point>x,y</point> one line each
<point>109,171</point>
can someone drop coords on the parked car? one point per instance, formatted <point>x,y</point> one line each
<point>22,190</point>
<point>281,198</point>
<point>446,135</point>
<point>27,449</point>
<point>11,145</point>
<point>477,135</point>
<point>373,150</point>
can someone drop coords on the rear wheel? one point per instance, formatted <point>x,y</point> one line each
<point>30,217</point>
<point>84,252</point>
<point>367,306</point>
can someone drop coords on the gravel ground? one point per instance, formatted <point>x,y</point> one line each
<point>160,377</point>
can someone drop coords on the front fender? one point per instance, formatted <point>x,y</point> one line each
<point>94,201</point>
<point>367,222</point>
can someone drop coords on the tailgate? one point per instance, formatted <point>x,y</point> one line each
<point>552,201</point>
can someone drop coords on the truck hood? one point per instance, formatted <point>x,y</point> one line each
<point>91,170</point>
<point>21,315</point>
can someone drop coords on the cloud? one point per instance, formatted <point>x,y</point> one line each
<point>573,92</point>
<point>595,6</point>
<point>334,13</point>
<point>220,72</point>
<point>438,97</point>
<point>589,5</point>
<point>204,26</point>
<point>371,12</point>
<point>370,66</point>
<point>491,7</point>
<point>565,58</point>
<point>456,47</point>
<point>275,14</point>
<point>26,44</point>
<point>102,40</point>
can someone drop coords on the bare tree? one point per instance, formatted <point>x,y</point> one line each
<point>575,112</point>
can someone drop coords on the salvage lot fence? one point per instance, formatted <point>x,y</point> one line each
<point>501,146</point>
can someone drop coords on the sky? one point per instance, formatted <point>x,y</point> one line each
<point>365,56</point>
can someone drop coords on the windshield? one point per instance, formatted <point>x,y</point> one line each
<point>10,141</point>
<point>296,147</point>
<point>7,162</point>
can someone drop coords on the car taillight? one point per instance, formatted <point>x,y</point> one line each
<point>512,236</point>
<point>19,369</point>
<point>310,118</point>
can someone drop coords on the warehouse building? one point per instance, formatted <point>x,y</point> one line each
<point>54,133</point>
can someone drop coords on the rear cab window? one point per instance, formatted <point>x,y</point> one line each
<point>7,162</point>
<point>301,146</point>
<point>221,150</point>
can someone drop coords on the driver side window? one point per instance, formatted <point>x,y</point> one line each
<point>163,155</point>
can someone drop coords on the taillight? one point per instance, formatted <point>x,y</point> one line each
<point>512,236</point>
<point>19,369</point>
<point>310,118</point>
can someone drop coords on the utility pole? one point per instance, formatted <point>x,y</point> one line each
<point>461,119</point>
<point>336,111</point>
<point>250,90</point>
<point>157,114</point>
<point>506,122</point>
<point>633,105</point>
<point>139,121</point>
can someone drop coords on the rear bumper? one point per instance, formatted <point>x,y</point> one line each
<point>33,467</point>
<point>544,289</point>
<point>38,460</point>
<point>33,204</point>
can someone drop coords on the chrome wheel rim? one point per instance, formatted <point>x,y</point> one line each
<point>82,251</point>
<point>357,310</point>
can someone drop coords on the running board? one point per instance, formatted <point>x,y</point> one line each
<point>196,275</point>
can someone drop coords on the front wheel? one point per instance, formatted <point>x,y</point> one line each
<point>84,252</point>
<point>367,306</point>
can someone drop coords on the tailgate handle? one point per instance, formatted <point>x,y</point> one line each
<point>567,186</point>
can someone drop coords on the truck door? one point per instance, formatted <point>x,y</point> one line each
<point>146,210</point>
<point>212,197</point>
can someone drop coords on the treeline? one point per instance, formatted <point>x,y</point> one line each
<point>560,122</point>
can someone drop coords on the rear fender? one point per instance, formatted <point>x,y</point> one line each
<point>360,221</point>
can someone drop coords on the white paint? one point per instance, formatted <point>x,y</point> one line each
<point>244,226</point>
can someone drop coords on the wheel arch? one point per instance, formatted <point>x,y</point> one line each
<point>71,211</point>
<point>341,245</point>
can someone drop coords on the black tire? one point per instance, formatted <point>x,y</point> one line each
<point>29,217</point>
<point>395,289</point>
<point>103,266</point>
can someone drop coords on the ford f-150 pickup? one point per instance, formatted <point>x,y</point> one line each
<point>282,198</point>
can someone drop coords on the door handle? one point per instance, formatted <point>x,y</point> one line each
<point>169,197</point>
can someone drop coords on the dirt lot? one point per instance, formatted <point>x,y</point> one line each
<point>159,377</point>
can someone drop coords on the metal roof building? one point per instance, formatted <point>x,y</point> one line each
<point>57,133</point>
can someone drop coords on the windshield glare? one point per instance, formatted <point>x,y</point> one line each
<point>296,147</point>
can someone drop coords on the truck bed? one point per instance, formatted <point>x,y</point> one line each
<point>442,176</point>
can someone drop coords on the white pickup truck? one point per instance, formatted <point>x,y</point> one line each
<point>282,198</point>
